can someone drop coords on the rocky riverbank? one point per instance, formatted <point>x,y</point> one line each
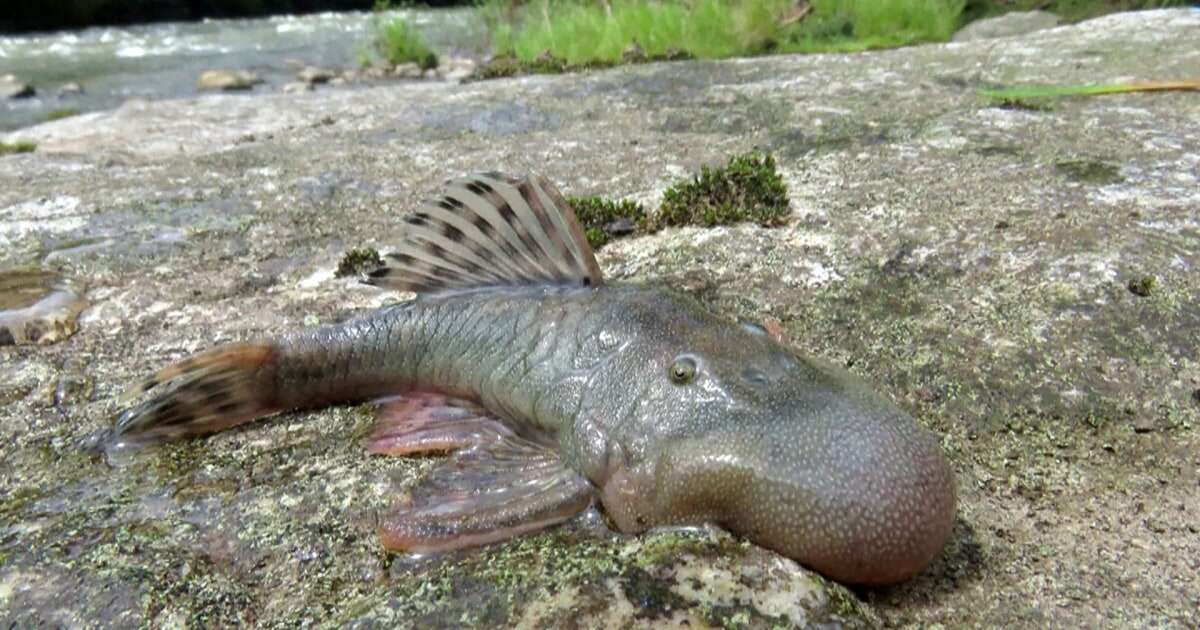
<point>1022,279</point>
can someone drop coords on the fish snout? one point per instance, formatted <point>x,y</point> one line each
<point>860,493</point>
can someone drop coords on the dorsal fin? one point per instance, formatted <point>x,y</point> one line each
<point>487,230</point>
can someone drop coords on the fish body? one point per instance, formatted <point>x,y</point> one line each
<point>553,389</point>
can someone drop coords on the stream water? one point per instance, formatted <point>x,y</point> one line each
<point>153,61</point>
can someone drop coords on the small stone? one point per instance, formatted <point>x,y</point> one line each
<point>1144,424</point>
<point>12,87</point>
<point>296,87</point>
<point>408,70</point>
<point>313,75</point>
<point>633,53</point>
<point>620,227</point>
<point>70,89</point>
<point>227,80</point>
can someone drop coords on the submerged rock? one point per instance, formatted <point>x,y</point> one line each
<point>227,80</point>
<point>12,87</point>
<point>313,74</point>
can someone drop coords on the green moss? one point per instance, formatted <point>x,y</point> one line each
<point>1143,286</point>
<point>21,146</point>
<point>748,188</point>
<point>604,219</point>
<point>358,261</point>
<point>1088,171</point>
<point>60,113</point>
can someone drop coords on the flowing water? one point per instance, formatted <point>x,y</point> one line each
<point>153,61</point>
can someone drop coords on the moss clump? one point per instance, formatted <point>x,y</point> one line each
<point>749,188</point>
<point>604,219</point>
<point>358,261</point>
<point>17,147</point>
<point>1143,286</point>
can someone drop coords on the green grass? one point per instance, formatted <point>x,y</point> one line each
<point>17,147</point>
<point>396,41</point>
<point>582,33</point>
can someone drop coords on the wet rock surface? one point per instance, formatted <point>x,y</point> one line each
<point>37,307</point>
<point>973,262</point>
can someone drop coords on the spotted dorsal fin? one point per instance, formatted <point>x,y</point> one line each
<point>488,230</point>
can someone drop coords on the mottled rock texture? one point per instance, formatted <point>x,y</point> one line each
<point>1022,280</point>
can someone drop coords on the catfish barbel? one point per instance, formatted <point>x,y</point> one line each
<point>552,389</point>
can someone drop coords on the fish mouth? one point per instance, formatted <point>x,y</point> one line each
<point>862,511</point>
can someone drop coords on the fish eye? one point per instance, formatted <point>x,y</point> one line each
<point>682,370</point>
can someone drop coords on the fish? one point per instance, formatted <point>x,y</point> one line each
<point>548,390</point>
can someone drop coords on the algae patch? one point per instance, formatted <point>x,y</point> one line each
<point>748,188</point>
<point>8,148</point>
<point>1089,171</point>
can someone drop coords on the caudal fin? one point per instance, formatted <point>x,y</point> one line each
<point>214,390</point>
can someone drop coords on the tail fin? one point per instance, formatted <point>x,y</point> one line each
<point>211,391</point>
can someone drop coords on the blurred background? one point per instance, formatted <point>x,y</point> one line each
<point>61,58</point>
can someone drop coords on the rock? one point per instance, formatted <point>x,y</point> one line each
<point>70,89</point>
<point>456,68</point>
<point>633,53</point>
<point>1020,346</point>
<point>312,74</point>
<point>12,87</point>
<point>296,87</point>
<point>408,70</point>
<point>227,80</point>
<point>1008,25</point>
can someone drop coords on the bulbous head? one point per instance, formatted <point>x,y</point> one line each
<point>732,427</point>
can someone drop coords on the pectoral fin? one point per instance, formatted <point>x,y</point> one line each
<point>494,486</point>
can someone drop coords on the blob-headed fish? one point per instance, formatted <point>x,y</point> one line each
<point>553,389</point>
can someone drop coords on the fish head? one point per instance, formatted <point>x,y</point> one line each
<point>799,456</point>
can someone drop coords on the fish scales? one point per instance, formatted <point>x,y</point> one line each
<point>552,389</point>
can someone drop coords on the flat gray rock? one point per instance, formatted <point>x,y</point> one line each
<point>1007,25</point>
<point>1023,281</point>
